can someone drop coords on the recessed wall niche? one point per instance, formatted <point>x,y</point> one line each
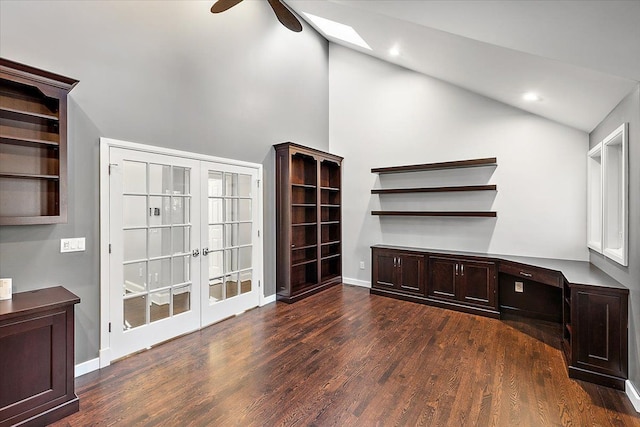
<point>608,196</point>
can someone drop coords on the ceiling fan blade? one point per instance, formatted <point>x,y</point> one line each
<point>222,5</point>
<point>285,16</point>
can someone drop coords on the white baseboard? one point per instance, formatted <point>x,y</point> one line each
<point>356,282</point>
<point>86,367</point>
<point>633,395</point>
<point>267,300</point>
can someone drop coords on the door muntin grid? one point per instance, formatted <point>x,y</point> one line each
<point>230,241</point>
<point>156,242</point>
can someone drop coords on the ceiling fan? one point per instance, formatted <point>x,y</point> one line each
<point>283,14</point>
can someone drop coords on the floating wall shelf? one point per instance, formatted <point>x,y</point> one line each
<point>490,161</point>
<point>435,189</point>
<point>482,214</point>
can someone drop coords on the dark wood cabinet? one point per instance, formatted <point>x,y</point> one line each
<point>399,271</point>
<point>308,221</point>
<point>596,335</point>
<point>33,145</point>
<point>37,357</point>
<point>594,316</point>
<point>461,280</point>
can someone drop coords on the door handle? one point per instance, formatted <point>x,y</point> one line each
<point>395,262</point>
<point>195,253</point>
<point>205,251</point>
<point>462,269</point>
<point>457,266</point>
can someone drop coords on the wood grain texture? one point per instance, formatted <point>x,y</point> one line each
<point>343,357</point>
<point>489,161</point>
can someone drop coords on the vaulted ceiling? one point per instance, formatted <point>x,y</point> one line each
<point>581,57</point>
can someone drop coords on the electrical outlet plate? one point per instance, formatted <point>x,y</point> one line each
<point>519,287</point>
<point>361,265</point>
<point>72,245</point>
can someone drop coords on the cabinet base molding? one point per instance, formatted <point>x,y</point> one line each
<point>50,416</point>
<point>435,303</point>
<point>314,290</point>
<point>597,378</point>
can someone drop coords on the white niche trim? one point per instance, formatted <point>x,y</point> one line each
<point>608,195</point>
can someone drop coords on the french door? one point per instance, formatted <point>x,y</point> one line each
<point>227,268</point>
<point>183,242</point>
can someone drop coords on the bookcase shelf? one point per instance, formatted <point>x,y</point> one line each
<point>308,221</point>
<point>33,145</point>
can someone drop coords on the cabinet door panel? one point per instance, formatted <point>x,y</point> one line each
<point>442,273</point>
<point>411,277</point>
<point>384,269</point>
<point>599,328</point>
<point>478,283</point>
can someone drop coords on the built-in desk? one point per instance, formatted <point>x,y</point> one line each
<point>591,305</point>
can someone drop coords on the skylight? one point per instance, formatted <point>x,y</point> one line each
<point>337,30</point>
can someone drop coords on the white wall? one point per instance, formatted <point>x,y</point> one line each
<point>384,115</point>
<point>166,73</point>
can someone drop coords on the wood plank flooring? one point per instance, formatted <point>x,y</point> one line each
<point>347,358</point>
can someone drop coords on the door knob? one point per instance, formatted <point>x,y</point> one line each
<point>205,251</point>
<point>195,253</point>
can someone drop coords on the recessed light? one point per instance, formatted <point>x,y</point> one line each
<point>338,30</point>
<point>394,51</point>
<point>531,96</point>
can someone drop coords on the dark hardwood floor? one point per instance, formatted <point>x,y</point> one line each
<point>345,358</point>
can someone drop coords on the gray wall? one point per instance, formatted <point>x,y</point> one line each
<point>385,115</point>
<point>169,74</point>
<point>627,111</point>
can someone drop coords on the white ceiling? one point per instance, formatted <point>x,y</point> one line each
<point>581,57</point>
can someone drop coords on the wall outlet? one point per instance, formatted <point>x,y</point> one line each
<point>72,245</point>
<point>519,287</point>
<point>361,265</point>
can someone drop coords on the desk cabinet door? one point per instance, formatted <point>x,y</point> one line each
<point>478,283</point>
<point>443,278</point>
<point>410,277</point>
<point>600,328</point>
<point>384,269</point>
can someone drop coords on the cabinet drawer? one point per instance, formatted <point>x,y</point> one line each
<point>535,274</point>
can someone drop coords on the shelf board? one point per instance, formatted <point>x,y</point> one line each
<point>21,141</point>
<point>330,188</point>
<point>434,189</point>
<point>330,222</point>
<point>303,205</point>
<point>303,185</point>
<point>27,113</point>
<point>299,248</point>
<point>330,256</point>
<point>490,161</point>
<point>332,242</point>
<point>327,205</point>
<point>304,224</point>
<point>484,214</point>
<point>28,176</point>
<point>309,261</point>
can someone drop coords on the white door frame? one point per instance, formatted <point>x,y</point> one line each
<point>105,145</point>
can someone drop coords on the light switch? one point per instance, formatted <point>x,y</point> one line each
<point>72,245</point>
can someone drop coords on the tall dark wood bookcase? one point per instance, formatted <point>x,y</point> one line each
<point>33,145</point>
<point>308,221</point>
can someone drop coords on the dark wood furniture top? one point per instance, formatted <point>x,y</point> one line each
<point>37,357</point>
<point>576,272</point>
<point>490,161</point>
<point>33,144</point>
<point>36,301</point>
